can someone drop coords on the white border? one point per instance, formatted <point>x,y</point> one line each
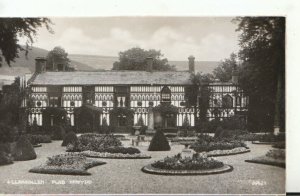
<point>288,8</point>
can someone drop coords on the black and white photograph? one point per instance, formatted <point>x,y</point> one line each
<point>143,105</point>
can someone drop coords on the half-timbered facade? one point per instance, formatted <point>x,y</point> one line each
<point>139,91</point>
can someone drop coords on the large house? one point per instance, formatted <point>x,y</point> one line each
<point>121,98</point>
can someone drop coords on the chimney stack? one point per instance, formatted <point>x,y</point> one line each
<point>191,64</point>
<point>235,77</point>
<point>40,64</point>
<point>149,61</point>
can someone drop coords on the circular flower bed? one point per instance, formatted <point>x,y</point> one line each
<point>108,155</point>
<point>199,164</point>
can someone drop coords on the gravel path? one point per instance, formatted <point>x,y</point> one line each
<point>125,176</point>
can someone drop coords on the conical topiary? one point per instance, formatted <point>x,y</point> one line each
<point>70,138</point>
<point>159,142</point>
<point>23,150</point>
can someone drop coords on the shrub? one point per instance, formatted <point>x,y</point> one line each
<point>95,142</point>
<point>36,139</point>
<point>197,162</point>
<point>207,143</point>
<point>159,142</point>
<point>58,132</point>
<point>6,133</point>
<point>5,157</point>
<point>280,145</point>
<point>219,132</point>
<point>122,150</point>
<point>24,150</point>
<point>65,159</point>
<point>276,154</point>
<point>70,138</point>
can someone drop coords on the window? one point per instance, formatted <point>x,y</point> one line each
<point>139,103</point>
<point>121,101</point>
<point>54,101</point>
<point>182,103</point>
<point>38,104</point>
<point>104,104</point>
<point>165,94</point>
<point>151,103</point>
<point>72,103</point>
<point>238,101</point>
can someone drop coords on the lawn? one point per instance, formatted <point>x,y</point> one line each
<point>125,176</point>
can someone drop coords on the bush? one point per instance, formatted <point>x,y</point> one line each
<point>219,132</point>
<point>70,138</point>
<point>95,142</point>
<point>6,133</point>
<point>197,162</point>
<point>24,150</point>
<point>276,154</point>
<point>37,139</point>
<point>206,143</point>
<point>65,159</point>
<point>159,142</point>
<point>122,150</point>
<point>5,157</point>
<point>280,145</point>
<point>58,132</point>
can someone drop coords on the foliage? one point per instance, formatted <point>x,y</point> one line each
<point>262,42</point>
<point>270,137</point>
<point>159,142</point>
<point>276,154</point>
<point>135,59</point>
<point>95,142</point>
<point>10,103</point>
<point>197,162</point>
<point>69,164</point>
<point>23,150</point>
<point>58,56</point>
<point>38,138</point>
<point>58,132</point>
<point>121,111</point>
<point>280,145</point>
<point>14,28</point>
<point>224,70</point>
<point>219,132</point>
<point>166,108</point>
<point>105,128</point>
<point>59,116</point>
<point>5,157</point>
<point>6,133</point>
<point>70,138</point>
<point>206,143</point>
<point>122,150</point>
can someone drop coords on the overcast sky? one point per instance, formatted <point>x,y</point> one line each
<point>208,39</point>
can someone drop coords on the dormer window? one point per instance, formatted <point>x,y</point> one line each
<point>165,94</point>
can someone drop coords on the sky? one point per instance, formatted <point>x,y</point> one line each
<point>207,38</point>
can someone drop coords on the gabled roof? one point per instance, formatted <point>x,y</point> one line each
<point>113,78</point>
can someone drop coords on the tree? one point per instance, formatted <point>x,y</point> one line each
<point>262,42</point>
<point>11,29</point>
<point>224,70</point>
<point>199,92</point>
<point>57,59</point>
<point>135,59</point>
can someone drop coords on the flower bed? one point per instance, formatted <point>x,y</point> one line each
<point>274,157</point>
<point>68,164</point>
<point>199,164</point>
<point>94,142</point>
<point>114,155</point>
<point>203,146</point>
<point>234,151</point>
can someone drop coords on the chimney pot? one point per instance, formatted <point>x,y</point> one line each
<point>191,64</point>
<point>149,61</point>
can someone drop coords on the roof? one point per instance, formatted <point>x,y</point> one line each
<point>112,78</point>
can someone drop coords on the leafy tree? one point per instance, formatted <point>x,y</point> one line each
<point>135,59</point>
<point>199,92</point>
<point>224,70</point>
<point>11,29</point>
<point>262,42</point>
<point>57,58</point>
